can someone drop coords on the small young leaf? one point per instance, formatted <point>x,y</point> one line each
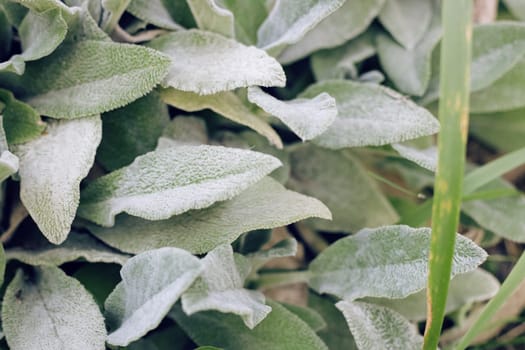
<point>207,63</point>
<point>220,287</point>
<point>227,104</point>
<point>308,118</point>
<point>171,181</point>
<point>289,21</point>
<point>426,158</point>
<point>51,195</point>
<point>371,115</point>
<point>266,204</point>
<point>229,332</point>
<point>151,283</point>
<point>172,15</point>
<point>49,310</point>
<point>377,327</point>
<point>286,247</point>
<point>210,16</point>
<point>389,261</point>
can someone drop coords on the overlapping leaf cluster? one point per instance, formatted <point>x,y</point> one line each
<point>154,134</point>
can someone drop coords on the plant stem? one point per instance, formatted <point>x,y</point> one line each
<point>453,114</point>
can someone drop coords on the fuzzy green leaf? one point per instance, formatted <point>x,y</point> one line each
<point>389,261</point>
<point>229,332</point>
<point>378,327</point>
<point>207,63</point>
<point>308,118</point>
<point>211,16</point>
<point>311,317</point>
<point>173,14</point>
<point>426,158</point>
<point>517,7</point>
<point>9,163</point>
<point>266,204</point>
<point>51,196</point>
<point>151,283</point>
<point>503,131</point>
<point>171,181</point>
<point>220,287</point>
<point>49,310</point>
<point>248,17</point>
<point>369,114</point>
<point>184,130</point>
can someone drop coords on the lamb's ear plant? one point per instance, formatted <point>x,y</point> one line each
<point>234,174</point>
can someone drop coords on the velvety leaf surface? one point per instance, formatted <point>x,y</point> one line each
<point>289,21</point>
<point>48,310</point>
<point>229,332</point>
<point>220,287</point>
<point>171,15</point>
<point>311,317</point>
<point>131,131</point>
<point>378,327</point>
<point>503,131</point>
<point>151,283</point>
<point>207,63</point>
<point>340,181</point>
<point>91,77</point>
<point>470,287</point>
<point>51,168</point>
<point>371,115</point>
<point>308,118</point>
<point>350,20</point>
<point>248,17</point>
<point>184,130</point>
<point>227,104</point>
<point>266,204</point>
<point>517,8</point>
<point>210,16</point>
<point>171,181</point>
<point>426,158</point>
<point>389,261</point>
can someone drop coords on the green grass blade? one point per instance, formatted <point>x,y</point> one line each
<point>453,114</point>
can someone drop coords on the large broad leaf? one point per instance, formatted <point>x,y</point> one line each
<point>503,131</point>
<point>38,252</point>
<point>220,287</point>
<point>407,20</point>
<point>165,14</point>
<point>426,158</point>
<point>266,204</point>
<point>248,17</point>
<point>171,181</point>
<point>51,168</point>
<point>378,327</point>
<point>370,114</point>
<point>48,310</point>
<point>290,20</point>
<point>227,104</point>
<point>341,182</point>
<point>151,283</point>
<point>347,22</point>
<point>388,262</point>
<point>91,77</point>
<point>131,131</point>
<point>207,63</point>
<point>517,7</point>
<point>308,118</point>
<point>210,16</point>
<point>464,289</point>
<point>229,331</point>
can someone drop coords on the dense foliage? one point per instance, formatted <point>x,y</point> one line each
<point>242,174</point>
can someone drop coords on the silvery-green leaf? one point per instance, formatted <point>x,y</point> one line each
<point>50,196</point>
<point>49,310</point>
<point>184,130</point>
<point>266,204</point>
<point>91,77</point>
<point>172,15</point>
<point>227,104</point>
<point>308,118</point>
<point>21,122</point>
<point>228,331</point>
<point>220,287</point>
<point>350,20</point>
<point>210,16</point>
<point>171,181</point>
<point>40,34</point>
<point>517,7</point>
<point>378,327</point>
<point>504,130</point>
<point>339,63</point>
<point>470,287</point>
<point>427,158</point>
<point>131,131</point>
<point>151,283</point>
<point>290,20</point>
<point>286,247</point>
<point>407,20</point>
<point>340,181</point>
<point>248,17</point>
<point>76,246</point>
<point>207,63</point>
<point>503,216</point>
<point>371,115</point>
<point>308,315</point>
<point>389,262</point>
